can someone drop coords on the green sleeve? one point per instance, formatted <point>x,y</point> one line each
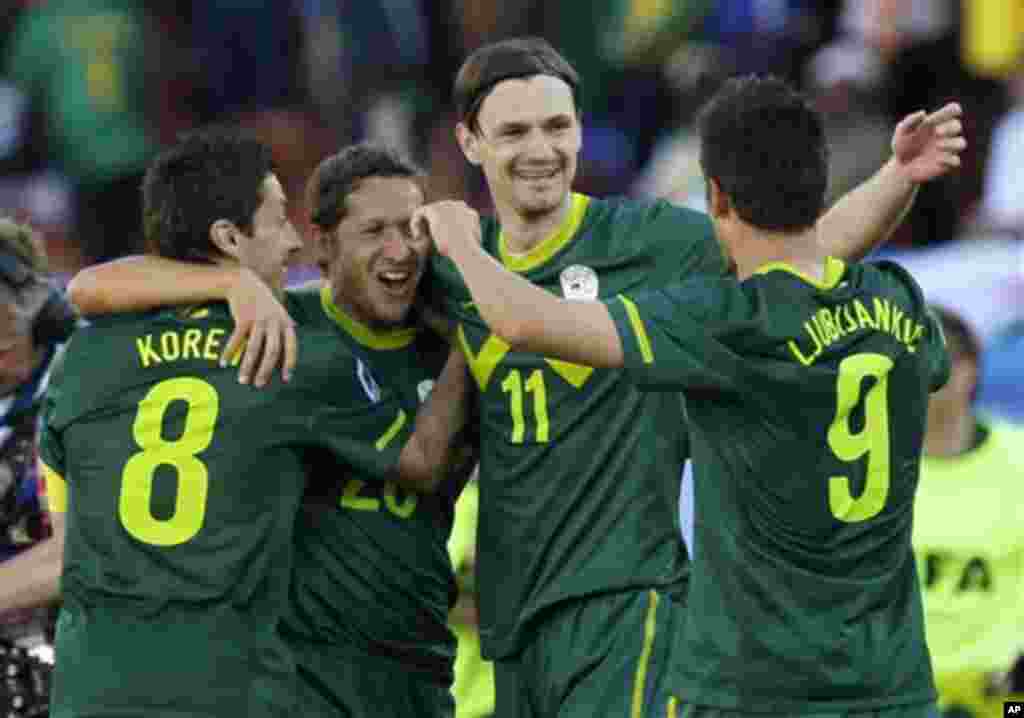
<point>671,337</point>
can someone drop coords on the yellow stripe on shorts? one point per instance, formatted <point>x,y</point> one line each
<point>639,682</point>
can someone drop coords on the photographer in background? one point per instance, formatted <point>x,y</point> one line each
<point>34,322</point>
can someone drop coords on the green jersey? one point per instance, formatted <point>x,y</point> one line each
<point>579,471</point>
<point>806,404</point>
<point>182,487</point>
<point>371,564</point>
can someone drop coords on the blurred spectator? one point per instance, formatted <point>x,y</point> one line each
<point>904,56</point>
<point>89,64</point>
<point>696,45</point>
<point>34,322</point>
<point>249,53</point>
<point>1002,201</point>
<point>969,539</point>
<point>367,65</point>
<point>474,677</point>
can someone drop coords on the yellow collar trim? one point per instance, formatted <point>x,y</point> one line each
<point>550,246</point>
<point>390,339</point>
<point>834,269</point>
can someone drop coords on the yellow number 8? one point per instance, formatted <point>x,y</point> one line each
<point>192,475</point>
<point>872,439</point>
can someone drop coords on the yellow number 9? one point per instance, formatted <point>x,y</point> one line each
<point>872,440</point>
<point>193,477</point>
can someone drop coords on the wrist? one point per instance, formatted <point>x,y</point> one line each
<point>901,173</point>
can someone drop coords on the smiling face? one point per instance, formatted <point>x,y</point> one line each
<point>374,263</point>
<point>527,144</point>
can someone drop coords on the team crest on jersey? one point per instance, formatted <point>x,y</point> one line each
<point>424,388</point>
<point>579,282</point>
<point>370,385</point>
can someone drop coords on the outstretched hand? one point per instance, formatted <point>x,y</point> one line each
<point>928,146</point>
<point>263,329</point>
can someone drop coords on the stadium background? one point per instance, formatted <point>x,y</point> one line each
<point>91,89</point>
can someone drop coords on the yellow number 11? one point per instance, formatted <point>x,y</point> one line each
<point>513,385</point>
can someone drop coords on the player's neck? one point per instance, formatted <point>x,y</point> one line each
<point>754,248</point>
<point>950,435</point>
<point>524,232</point>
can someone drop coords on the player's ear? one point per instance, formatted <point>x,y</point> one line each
<point>467,143</point>
<point>224,236</point>
<point>718,201</point>
<point>321,245</point>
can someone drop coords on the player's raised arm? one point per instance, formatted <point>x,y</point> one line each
<point>925,147</point>
<point>262,325</point>
<point>524,315</point>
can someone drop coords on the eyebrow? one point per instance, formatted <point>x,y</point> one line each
<point>506,125</point>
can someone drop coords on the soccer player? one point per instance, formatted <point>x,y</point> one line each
<point>183,484</point>
<point>968,537</point>
<point>806,385</point>
<point>579,474</point>
<point>372,583</point>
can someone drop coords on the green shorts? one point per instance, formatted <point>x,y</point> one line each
<point>345,682</point>
<point>607,655</point>
<point>203,662</point>
<point>917,710</point>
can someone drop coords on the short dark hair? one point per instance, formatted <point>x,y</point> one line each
<point>339,175</point>
<point>505,60</point>
<point>765,146</point>
<point>210,174</point>
<point>961,341</point>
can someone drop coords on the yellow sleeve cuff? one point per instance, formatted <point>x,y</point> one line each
<point>55,489</point>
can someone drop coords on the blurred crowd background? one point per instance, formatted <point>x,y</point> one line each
<point>90,90</point>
